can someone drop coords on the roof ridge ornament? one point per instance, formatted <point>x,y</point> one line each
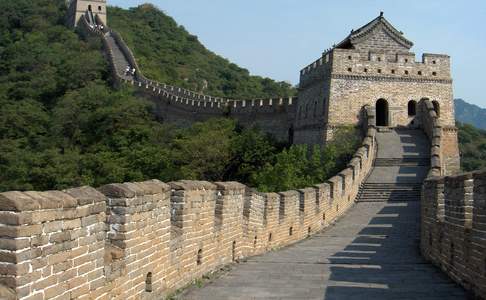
<point>381,14</point>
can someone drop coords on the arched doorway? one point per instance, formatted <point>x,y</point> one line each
<point>412,108</point>
<point>382,113</point>
<point>436,108</point>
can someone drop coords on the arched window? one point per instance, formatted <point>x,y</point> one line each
<point>199,257</point>
<point>412,108</point>
<point>89,7</point>
<point>436,108</point>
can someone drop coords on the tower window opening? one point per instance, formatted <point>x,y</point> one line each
<point>350,57</point>
<point>419,72</point>
<point>291,230</point>
<point>434,73</point>
<point>379,70</point>
<point>393,71</point>
<point>350,70</point>
<point>365,70</point>
<point>89,7</point>
<point>406,72</point>
<point>406,60</point>
<point>148,282</point>
<point>99,8</point>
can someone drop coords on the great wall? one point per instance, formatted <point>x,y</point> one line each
<point>375,230</point>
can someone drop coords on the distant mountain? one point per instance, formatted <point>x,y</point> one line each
<point>470,114</point>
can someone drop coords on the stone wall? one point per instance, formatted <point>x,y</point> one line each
<point>445,157</point>
<point>453,230</point>
<point>358,81</point>
<point>145,240</point>
<point>312,109</point>
<point>53,243</point>
<point>453,216</point>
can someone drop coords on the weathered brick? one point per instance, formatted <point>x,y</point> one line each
<point>17,201</point>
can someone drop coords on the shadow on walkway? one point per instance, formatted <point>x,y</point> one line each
<point>383,261</point>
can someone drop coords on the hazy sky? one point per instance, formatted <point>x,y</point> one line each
<point>277,38</point>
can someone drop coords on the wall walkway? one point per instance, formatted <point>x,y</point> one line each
<point>371,253</point>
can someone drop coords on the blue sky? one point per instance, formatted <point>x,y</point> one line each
<point>276,38</point>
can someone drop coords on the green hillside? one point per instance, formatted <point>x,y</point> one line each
<point>167,53</point>
<point>472,144</point>
<point>62,125</point>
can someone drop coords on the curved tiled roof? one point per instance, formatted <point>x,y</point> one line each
<point>362,32</point>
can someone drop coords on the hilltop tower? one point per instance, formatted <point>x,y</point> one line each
<point>374,66</point>
<point>92,8</point>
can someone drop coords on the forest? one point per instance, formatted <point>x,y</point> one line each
<point>62,125</point>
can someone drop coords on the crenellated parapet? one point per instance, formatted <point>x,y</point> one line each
<point>147,239</point>
<point>454,228</point>
<point>453,213</point>
<point>444,148</point>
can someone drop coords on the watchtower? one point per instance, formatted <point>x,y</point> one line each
<point>90,8</point>
<point>373,66</point>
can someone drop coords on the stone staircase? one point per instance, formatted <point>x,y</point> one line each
<point>376,192</point>
<point>407,161</point>
<point>399,168</point>
<point>119,60</point>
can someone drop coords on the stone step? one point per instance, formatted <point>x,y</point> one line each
<point>388,162</point>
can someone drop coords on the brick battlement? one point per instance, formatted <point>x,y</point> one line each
<point>350,62</point>
<point>146,239</point>
<point>454,228</point>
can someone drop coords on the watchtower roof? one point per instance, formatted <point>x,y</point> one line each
<point>364,32</point>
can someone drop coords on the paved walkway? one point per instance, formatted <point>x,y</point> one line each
<point>371,253</point>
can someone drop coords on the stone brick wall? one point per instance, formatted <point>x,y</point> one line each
<point>453,225</point>
<point>53,243</point>
<point>359,80</point>
<point>453,228</point>
<point>445,157</point>
<point>145,240</point>
<point>312,108</point>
